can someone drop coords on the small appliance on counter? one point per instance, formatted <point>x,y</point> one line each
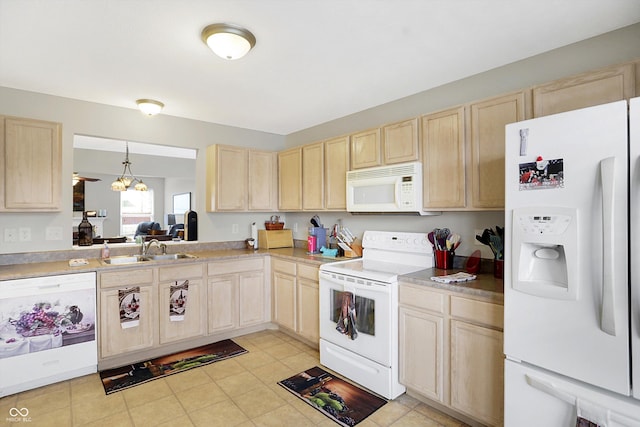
<point>190,226</point>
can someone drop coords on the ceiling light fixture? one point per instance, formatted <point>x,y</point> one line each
<point>124,181</point>
<point>150,107</point>
<point>228,41</point>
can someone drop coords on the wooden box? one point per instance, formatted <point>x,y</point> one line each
<point>269,239</point>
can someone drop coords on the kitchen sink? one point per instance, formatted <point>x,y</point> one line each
<point>169,256</point>
<point>126,259</point>
<point>134,259</point>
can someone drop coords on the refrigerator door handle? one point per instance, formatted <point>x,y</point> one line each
<point>607,175</point>
<point>550,388</point>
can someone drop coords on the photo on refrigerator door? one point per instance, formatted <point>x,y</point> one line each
<point>35,323</point>
<point>541,174</point>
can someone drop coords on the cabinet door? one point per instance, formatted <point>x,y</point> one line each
<point>193,324</point>
<point>227,171</point>
<point>30,165</point>
<point>443,159</point>
<point>400,141</point>
<point>336,165</point>
<point>488,120</point>
<point>365,149</point>
<point>477,372</point>
<point>313,176</point>
<point>290,179</point>
<point>263,181</point>
<point>222,303</point>
<point>422,352</point>
<point>585,90</point>
<point>284,300</point>
<point>251,301</point>
<point>116,340</point>
<point>309,310</point>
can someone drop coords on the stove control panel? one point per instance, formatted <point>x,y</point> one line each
<point>397,241</point>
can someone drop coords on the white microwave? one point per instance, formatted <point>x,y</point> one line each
<point>386,189</point>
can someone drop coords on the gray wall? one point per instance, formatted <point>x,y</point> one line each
<point>128,124</point>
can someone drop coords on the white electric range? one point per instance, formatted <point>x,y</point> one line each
<point>359,308</point>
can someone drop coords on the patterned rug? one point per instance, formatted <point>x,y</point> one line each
<point>336,398</point>
<point>118,379</point>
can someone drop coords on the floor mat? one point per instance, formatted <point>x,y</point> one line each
<point>336,398</point>
<point>138,373</point>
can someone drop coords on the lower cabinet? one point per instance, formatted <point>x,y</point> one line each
<point>190,320</point>
<point>115,339</point>
<point>236,294</point>
<point>296,298</point>
<point>451,351</point>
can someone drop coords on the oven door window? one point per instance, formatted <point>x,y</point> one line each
<point>365,312</point>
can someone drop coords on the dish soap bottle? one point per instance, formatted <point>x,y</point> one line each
<point>105,250</point>
<point>85,231</point>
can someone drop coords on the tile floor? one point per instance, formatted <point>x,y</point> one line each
<point>241,391</point>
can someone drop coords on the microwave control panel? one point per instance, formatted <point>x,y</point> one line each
<point>407,190</point>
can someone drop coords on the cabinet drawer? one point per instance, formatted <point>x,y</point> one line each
<point>126,277</point>
<point>286,267</point>
<point>425,299</point>
<point>481,312</point>
<point>180,272</point>
<point>237,266</point>
<point>306,271</point>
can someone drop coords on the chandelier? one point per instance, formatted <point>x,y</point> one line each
<point>125,180</point>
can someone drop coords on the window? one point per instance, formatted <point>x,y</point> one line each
<point>135,207</point>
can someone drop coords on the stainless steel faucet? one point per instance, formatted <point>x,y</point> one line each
<point>144,248</point>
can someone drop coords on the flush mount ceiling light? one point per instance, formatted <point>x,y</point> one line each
<point>125,180</point>
<point>150,107</point>
<point>228,41</point>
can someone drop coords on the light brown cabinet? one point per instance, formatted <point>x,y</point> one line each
<point>400,142</point>
<point>585,90</point>
<point>366,149</point>
<point>290,179</point>
<point>313,176</point>
<point>236,294</point>
<point>443,159</point>
<point>30,165</point>
<point>194,322</point>
<point>336,165</point>
<point>308,302</point>
<point>114,338</point>
<point>487,140</point>
<point>240,179</point>
<point>284,293</point>
<point>451,351</point>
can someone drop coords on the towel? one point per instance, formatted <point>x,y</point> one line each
<point>347,320</point>
<point>590,415</point>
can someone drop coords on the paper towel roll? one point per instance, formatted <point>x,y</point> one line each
<point>254,235</point>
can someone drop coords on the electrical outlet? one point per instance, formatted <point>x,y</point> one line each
<point>234,228</point>
<point>477,233</point>
<point>53,233</point>
<point>24,234</point>
<point>295,227</point>
<point>10,235</point>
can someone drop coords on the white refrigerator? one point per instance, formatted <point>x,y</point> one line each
<point>571,288</point>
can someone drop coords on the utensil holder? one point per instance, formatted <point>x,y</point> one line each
<point>444,259</point>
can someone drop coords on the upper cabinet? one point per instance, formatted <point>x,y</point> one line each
<point>313,176</point>
<point>487,139</point>
<point>290,179</point>
<point>443,159</point>
<point>240,179</point>
<point>30,165</point>
<point>336,165</point>
<point>400,141</point>
<point>366,149</point>
<point>584,90</point>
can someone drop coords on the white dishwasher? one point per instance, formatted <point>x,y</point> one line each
<point>47,330</point>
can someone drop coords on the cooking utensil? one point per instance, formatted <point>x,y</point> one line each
<point>315,221</point>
